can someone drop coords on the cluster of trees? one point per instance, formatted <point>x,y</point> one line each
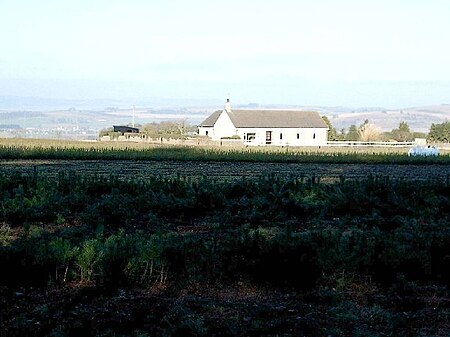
<point>439,133</point>
<point>172,129</point>
<point>367,132</point>
<point>166,129</point>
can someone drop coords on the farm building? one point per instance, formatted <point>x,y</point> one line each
<point>125,129</point>
<point>266,127</point>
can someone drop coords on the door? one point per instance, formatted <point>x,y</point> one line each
<point>268,137</point>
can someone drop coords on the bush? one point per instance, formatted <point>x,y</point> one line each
<point>88,257</point>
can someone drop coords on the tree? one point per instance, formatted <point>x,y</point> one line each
<point>172,129</point>
<point>404,127</point>
<point>417,134</point>
<point>368,132</point>
<point>106,132</point>
<point>402,133</point>
<point>439,132</point>
<point>332,134</point>
<point>341,135</point>
<point>352,133</point>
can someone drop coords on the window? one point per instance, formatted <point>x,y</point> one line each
<point>314,136</point>
<point>206,133</point>
<point>268,137</point>
<point>281,136</point>
<point>251,136</point>
<point>298,136</point>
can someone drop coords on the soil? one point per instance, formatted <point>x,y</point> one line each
<point>240,309</point>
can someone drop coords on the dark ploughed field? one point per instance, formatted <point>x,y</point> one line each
<point>223,170</point>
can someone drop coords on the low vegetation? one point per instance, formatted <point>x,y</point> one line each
<point>269,256</point>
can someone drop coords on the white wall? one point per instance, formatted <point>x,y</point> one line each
<point>307,136</point>
<point>223,128</point>
<point>205,131</point>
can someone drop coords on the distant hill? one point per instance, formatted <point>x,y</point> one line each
<point>15,103</point>
<point>49,113</point>
<point>94,120</point>
<point>418,118</point>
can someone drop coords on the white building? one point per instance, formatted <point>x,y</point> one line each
<point>266,127</point>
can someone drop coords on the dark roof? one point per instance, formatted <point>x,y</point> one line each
<point>124,128</point>
<point>212,119</point>
<point>270,119</point>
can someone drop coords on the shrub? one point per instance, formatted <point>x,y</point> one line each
<point>6,236</point>
<point>87,259</point>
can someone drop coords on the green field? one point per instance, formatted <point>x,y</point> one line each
<point>202,246</point>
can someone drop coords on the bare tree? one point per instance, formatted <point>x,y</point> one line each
<point>369,132</point>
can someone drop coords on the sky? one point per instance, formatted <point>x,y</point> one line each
<point>354,53</point>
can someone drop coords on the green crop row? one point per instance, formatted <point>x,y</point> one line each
<point>286,155</point>
<point>109,201</point>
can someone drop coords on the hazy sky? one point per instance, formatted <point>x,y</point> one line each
<point>393,53</point>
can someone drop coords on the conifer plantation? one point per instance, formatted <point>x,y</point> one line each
<point>182,255</point>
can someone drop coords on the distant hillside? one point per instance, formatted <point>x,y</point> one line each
<point>15,103</point>
<point>93,115</point>
<point>96,120</point>
<point>418,118</point>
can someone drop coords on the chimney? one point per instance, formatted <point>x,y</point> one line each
<point>228,105</point>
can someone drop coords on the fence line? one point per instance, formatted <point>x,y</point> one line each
<point>241,143</point>
<point>342,143</point>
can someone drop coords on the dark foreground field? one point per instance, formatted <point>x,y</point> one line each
<point>130,169</point>
<point>167,248</point>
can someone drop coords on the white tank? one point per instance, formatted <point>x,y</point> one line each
<point>424,151</point>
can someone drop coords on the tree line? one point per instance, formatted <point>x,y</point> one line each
<point>166,129</point>
<point>366,131</point>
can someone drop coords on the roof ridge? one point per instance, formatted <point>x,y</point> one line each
<point>269,118</point>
